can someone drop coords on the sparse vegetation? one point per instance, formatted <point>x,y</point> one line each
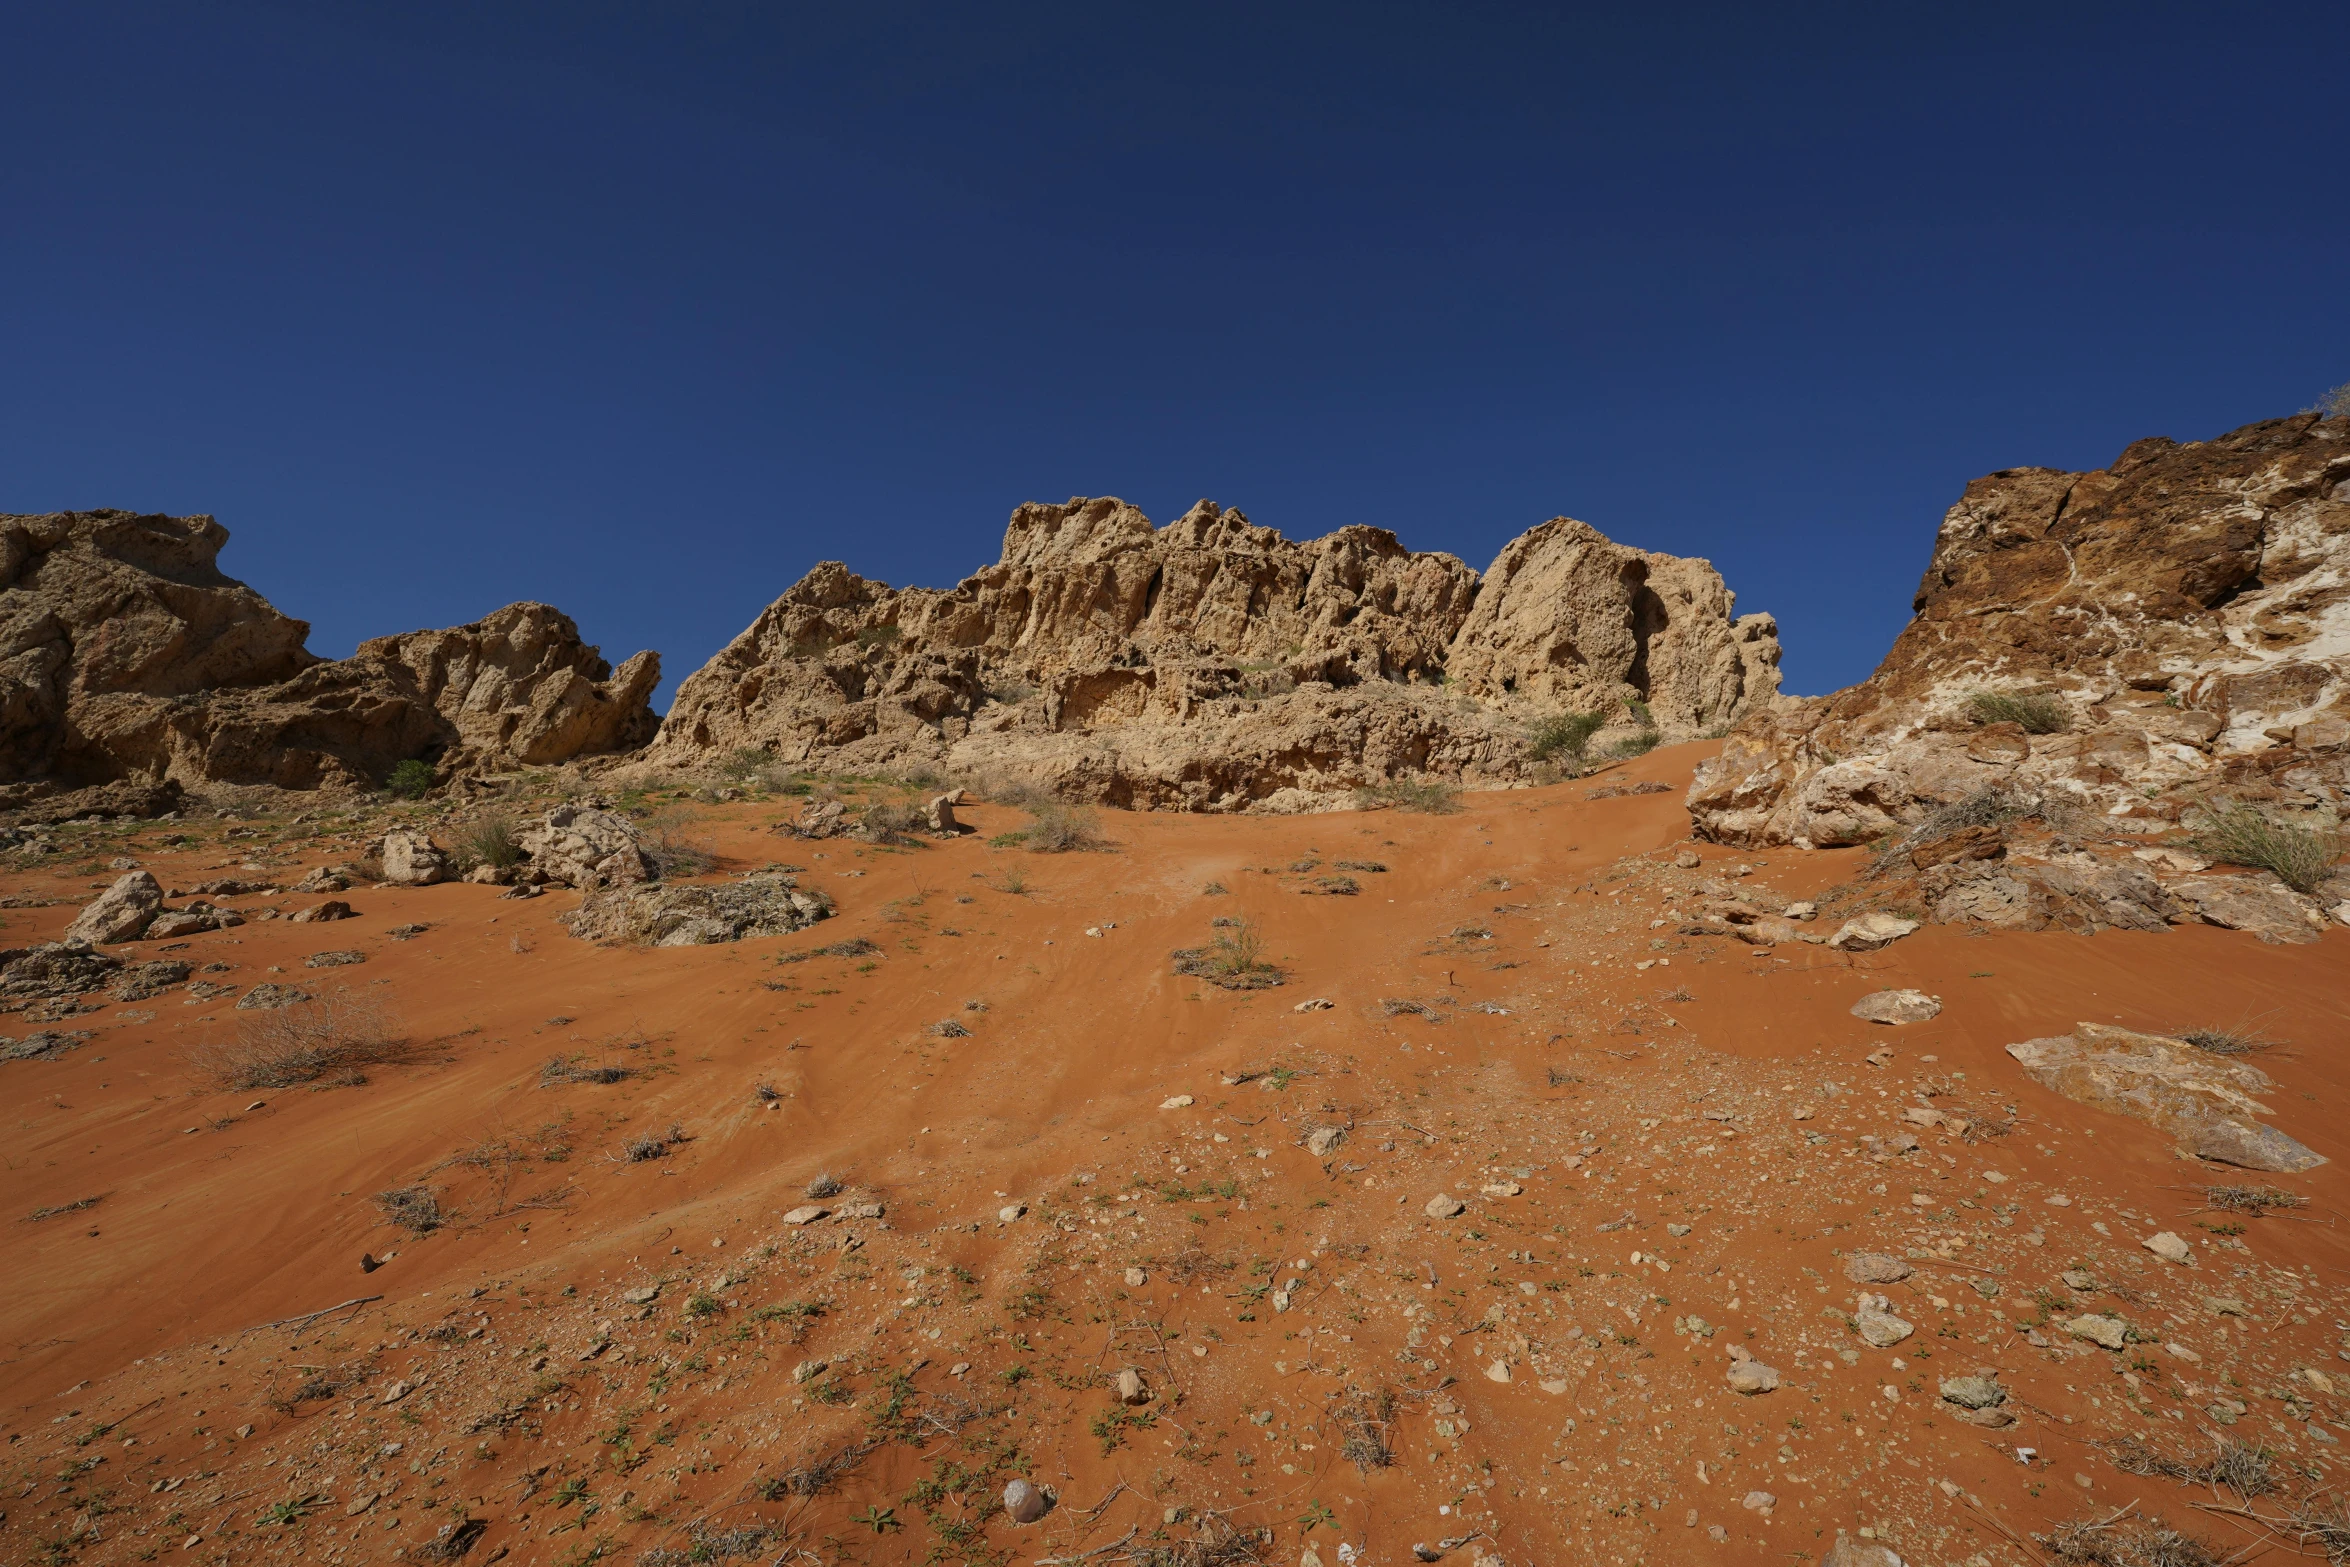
<point>2034,712</point>
<point>1639,744</point>
<point>854,947</point>
<point>823,1186</point>
<point>1333,886</point>
<point>672,845</point>
<point>2254,1200</point>
<point>77,1206</point>
<point>2335,404</point>
<point>2237,1041</point>
<point>1063,829</point>
<point>2240,834</point>
<point>409,780</point>
<point>1235,960</point>
<point>648,1146</point>
<point>1563,735</point>
<point>489,840</point>
<point>1363,1422</point>
<point>416,1209</point>
<point>570,1069</point>
<point>1428,796</point>
<point>2241,1467</point>
<point>332,1040</point>
<point>2122,1540</point>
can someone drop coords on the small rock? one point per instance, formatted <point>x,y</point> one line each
<point>1980,1391</point>
<point>806,1213</point>
<point>1025,1503</point>
<point>1687,860</point>
<point>1849,1552</point>
<point>1803,910</point>
<point>268,995</point>
<point>1750,1376</point>
<point>1130,1388</point>
<point>398,1391</point>
<point>331,909</point>
<point>1443,1207</point>
<point>1758,1501</point>
<point>1317,1004</point>
<point>1676,1230</point>
<point>809,1370</point>
<point>860,1210</point>
<point>1501,1188</point>
<point>644,1295</point>
<point>1499,1371</point>
<point>1010,1211</point>
<point>1897,1006</point>
<point>2106,1332</point>
<point>1879,1328</point>
<point>2078,1278</point>
<point>1176,1102</point>
<point>1323,1141</point>
<point>333,959</point>
<point>1136,1278</point>
<point>1874,1267</point>
<point>2170,1248</point>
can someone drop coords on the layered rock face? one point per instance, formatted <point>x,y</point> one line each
<point>1213,664</point>
<point>125,653</point>
<point>2175,625</point>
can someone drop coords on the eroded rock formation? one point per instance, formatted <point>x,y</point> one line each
<point>2126,639</point>
<point>1214,664</point>
<point>126,654</point>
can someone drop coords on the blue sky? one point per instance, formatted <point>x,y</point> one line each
<point>642,310</point>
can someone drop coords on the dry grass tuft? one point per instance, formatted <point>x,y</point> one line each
<point>1363,1421</point>
<point>2126,1542</point>
<point>331,1039</point>
<point>2238,1041</point>
<point>2240,834</point>
<point>416,1209</point>
<point>2254,1200</point>
<point>1235,960</point>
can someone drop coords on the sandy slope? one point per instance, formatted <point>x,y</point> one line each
<point>576,1423</point>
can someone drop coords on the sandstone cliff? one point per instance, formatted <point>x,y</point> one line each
<point>2126,639</point>
<point>125,653</point>
<point>1214,664</point>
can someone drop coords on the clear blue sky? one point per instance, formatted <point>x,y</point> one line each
<point>642,309</point>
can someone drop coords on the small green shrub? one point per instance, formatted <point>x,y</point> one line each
<point>2300,857</point>
<point>1235,960</point>
<point>1429,796</point>
<point>409,780</point>
<point>2034,713</point>
<point>1061,829</point>
<point>1563,735</point>
<point>1636,745</point>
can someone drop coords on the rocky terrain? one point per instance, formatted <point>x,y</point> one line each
<point>2106,672</point>
<point>126,656</point>
<point>1349,1188</point>
<point>1214,665</point>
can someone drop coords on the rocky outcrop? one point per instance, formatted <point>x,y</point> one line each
<point>1213,664</point>
<point>696,914</point>
<point>2203,1100</point>
<point>2125,640</point>
<point>126,654</point>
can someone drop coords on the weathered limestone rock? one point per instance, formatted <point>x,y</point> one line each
<point>1214,665</point>
<point>2181,617</point>
<point>1874,1267</point>
<point>120,913</point>
<point>1897,1006</point>
<point>412,859</point>
<point>585,846</point>
<point>126,654</point>
<point>2206,1101</point>
<point>690,914</point>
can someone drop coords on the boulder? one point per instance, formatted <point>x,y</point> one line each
<point>268,995</point>
<point>332,909</point>
<point>1868,932</point>
<point>1897,1006</point>
<point>54,970</point>
<point>1445,1206</point>
<point>690,914</point>
<point>2167,1245</point>
<point>172,924</point>
<point>583,845</point>
<point>2205,1101</point>
<point>1979,1391</point>
<point>2103,1331</point>
<point>1750,1377</point>
<point>411,859</point>
<point>120,913</point>
<point>2258,904</point>
<point>939,814</point>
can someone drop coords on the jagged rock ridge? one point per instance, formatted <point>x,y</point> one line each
<point>1213,664</point>
<point>126,654</point>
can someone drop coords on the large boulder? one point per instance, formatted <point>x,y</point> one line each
<point>583,845</point>
<point>692,914</point>
<point>412,859</point>
<point>1212,664</point>
<point>2204,1100</point>
<point>120,913</point>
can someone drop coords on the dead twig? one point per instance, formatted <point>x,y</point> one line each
<point>1099,1550</point>
<point>313,1316</point>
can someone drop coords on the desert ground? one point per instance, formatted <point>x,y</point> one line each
<point>802,1249</point>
